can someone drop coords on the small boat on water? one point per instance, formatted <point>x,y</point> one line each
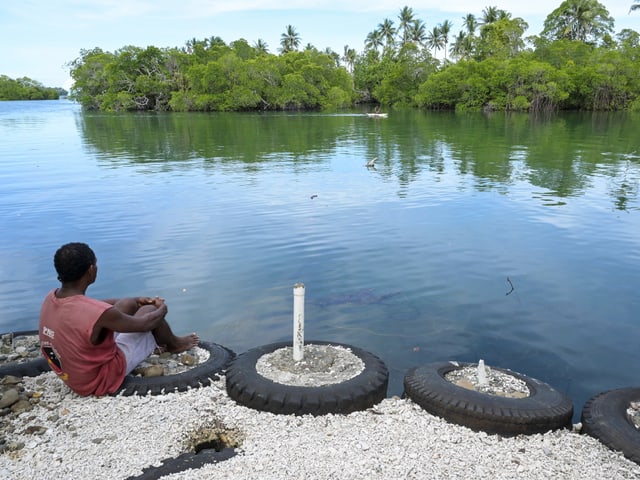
<point>377,115</point>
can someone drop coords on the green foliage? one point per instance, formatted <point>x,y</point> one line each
<point>403,75</point>
<point>600,78</point>
<point>132,78</point>
<point>367,73</point>
<point>517,84</point>
<point>575,64</point>
<point>559,52</point>
<point>290,40</point>
<point>89,72</point>
<point>611,81</point>
<point>534,85</point>
<point>584,20</point>
<point>501,38</point>
<point>27,89</point>
<point>336,98</point>
<point>209,76</point>
<point>461,86</point>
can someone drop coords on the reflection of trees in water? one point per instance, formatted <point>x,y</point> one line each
<point>560,154</point>
<point>214,138</point>
<point>623,186</point>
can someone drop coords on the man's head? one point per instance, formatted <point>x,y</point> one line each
<point>73,260</point>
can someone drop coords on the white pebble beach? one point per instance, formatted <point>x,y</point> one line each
<point>117,437</point>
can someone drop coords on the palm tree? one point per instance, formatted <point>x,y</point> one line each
<point>261,46</point>
<point>406,20</point>
<point>456,46</point>
<point>214,41</point>
<point>387,31</point>
<point>489,15</point>
<point>503,15</point>
<point>289,40</point>
<point>462,45</point>
<point>445,29</point>
<point>583,20</point>
<point>434,40</point>
<point>349,57</point>
<point>417,33</point>
<point>374,40</point>
<point>190,45</point>
<point>470,23</point>
<point>634,7</point>
<point>334,55</point>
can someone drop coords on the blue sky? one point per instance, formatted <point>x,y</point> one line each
<point>38,37</point>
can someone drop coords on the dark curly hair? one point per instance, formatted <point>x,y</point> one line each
<point>73,260</point>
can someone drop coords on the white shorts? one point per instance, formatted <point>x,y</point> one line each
<point>136,346</point>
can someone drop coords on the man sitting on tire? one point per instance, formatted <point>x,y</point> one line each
<point>93,344</point>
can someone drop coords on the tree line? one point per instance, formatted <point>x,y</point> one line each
<point>27,89</point>
<point>576,62</point>
<point>209,75</point>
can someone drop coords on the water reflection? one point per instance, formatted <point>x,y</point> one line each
<point>561,155</point>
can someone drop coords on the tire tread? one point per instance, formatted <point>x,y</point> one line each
<point>358,393</point>
<point>545,409</point>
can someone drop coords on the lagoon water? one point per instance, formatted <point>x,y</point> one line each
<point>511,239</point>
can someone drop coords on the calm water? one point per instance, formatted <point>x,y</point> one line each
<point>511,239</point>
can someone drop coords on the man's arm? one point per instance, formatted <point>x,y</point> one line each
<point>129,305</point>
<point>118,321</point>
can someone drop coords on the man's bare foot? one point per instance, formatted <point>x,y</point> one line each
<point>185,343</point>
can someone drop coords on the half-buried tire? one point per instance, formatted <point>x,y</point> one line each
<point>198,376</point>
<point>249,388</point>
<point>184,462</point>
<point>604,417</point>
<point>544,409</point>
<point>31,368</point>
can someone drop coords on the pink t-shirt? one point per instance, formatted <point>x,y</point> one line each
<point>66,325</point>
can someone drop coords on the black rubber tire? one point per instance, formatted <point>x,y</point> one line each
<point>22,333</point>
<point>219,359</point>
<point>200,376</point>
<point>544,409</point>
<point>184,462</point>
<point>247,387</point>
<point>604,417</point>
<point>30,368</point>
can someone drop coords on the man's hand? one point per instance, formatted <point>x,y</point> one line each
<point>146,318</point>
<point>156,301</point>
<point>160,305</point>
<point>159,302</point>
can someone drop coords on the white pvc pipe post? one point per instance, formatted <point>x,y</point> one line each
<point>298,322</point>
<point>482,373</point>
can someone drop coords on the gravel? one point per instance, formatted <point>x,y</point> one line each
<point>495,382</point>
<point>321,365</point>
<point>65,436</point>
<point>18,349</point>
